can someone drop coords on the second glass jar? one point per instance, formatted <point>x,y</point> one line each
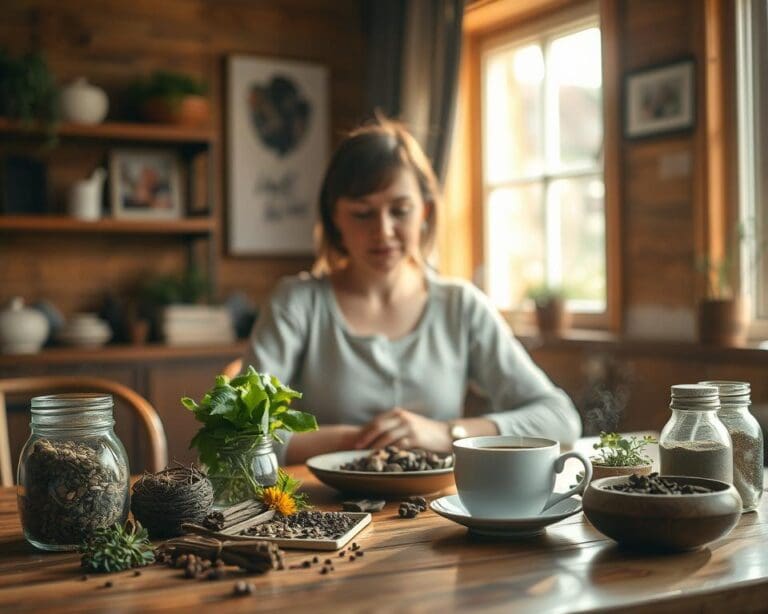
<point>746,437</point>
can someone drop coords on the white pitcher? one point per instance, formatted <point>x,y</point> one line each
<point>84,201</point>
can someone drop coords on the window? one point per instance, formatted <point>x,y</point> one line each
<point>752,88</point>
<point>542,151</point>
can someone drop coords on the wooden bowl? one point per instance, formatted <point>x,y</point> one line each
<point>605,471</point>
<point>663,522</point>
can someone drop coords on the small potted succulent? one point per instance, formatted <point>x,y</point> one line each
<point>552,316</point>
<point>618,455</point>
<point>171,98</point>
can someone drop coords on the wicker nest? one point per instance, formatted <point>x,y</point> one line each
<point>163,501</point>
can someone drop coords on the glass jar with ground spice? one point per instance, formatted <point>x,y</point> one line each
<point>695,442</point>
<point>746,437</point>
<point>73,474</point>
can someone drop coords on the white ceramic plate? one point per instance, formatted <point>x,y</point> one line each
<point>326,467</point>
<point>450,507</point>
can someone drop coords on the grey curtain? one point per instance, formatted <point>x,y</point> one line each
<point>414,48</point>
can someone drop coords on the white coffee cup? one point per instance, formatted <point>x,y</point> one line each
<point>507,476</point>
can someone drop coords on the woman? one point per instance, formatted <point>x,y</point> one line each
<point>381,347</point>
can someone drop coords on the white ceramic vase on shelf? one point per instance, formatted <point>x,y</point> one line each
<point>85,330</point>
<point>83,103</point>
<point>23,330</point>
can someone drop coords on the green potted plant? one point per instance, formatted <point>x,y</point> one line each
<point>552,317</point>
<point>27,89</point>
<point>618,455</point>
<point>171,98</point>
<point>721,315</point>
<point>160,296</point>
<point>241,418</point>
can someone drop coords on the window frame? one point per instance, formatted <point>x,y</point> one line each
<point>752,143</point>
<point>485,21</point>
<point>542,33</point>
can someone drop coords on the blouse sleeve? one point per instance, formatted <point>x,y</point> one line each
<point>277,342</point>
<point>523,399</point>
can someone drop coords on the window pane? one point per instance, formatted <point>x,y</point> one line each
<point>576,212</point>
<point>574,87</point>
<point>512,101</point>
<point>515,243</point>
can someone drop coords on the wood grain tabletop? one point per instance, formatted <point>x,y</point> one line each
<point>426,564</point>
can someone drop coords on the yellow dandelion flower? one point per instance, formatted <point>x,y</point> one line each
<point>280,501</point>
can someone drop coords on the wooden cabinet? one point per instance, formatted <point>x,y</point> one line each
<point>159,373</point>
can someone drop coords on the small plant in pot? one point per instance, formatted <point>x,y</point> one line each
<point>618,455</point>
<point>722,318</point>
<point>171,98</point>
<point>552,316</point>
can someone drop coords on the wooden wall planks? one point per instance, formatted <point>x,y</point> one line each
<point>111,42</point>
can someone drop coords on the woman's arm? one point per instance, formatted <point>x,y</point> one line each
<point>410,430</point>
<point>328,439</point>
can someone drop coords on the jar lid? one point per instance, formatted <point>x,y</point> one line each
<point>727,388</point>
<point>695,397</point>
<point>72,411</point>
<point>732,394</point>
<point>68,402</point>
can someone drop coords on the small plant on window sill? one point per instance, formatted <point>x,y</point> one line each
<point>721,317</point>
<point>551,312</point>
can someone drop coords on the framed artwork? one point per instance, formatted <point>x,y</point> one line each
<point>277,150</point>
<point>145,184</point>
<point>660,99</point>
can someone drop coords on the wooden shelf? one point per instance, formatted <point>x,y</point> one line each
<point>46,223</point>
<point>115,131</point>
<point>122,353</point>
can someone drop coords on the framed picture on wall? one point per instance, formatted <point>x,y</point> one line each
<point>660,99</point>
<point>145,184</point>
<point>277,150</point>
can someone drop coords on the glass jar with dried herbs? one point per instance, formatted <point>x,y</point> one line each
<point>746,437</point>
<point>241,418</point>
<point>73,474</point>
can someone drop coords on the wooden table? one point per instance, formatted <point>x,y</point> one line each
<point>427,564</point>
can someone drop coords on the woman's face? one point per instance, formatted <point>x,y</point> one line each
<point>382,230</point>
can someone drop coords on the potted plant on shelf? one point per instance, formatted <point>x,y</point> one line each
<point>618,455</point>
<point>552,316</point>
<point>171,98</point>
<point>27,90</point>
<point>241,418</point>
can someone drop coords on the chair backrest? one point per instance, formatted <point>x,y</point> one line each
<point>233,368</point>
<point>148,417</point>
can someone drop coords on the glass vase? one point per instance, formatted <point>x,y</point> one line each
<point>242,470</point>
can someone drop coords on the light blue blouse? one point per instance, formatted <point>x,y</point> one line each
<point>302,338</point>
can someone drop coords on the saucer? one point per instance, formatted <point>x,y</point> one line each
<point>450,507</point>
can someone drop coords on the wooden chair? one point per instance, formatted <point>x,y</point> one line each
<point>233,368</point>
<point>148,417</point>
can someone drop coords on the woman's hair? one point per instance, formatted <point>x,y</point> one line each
<point>366,162</point>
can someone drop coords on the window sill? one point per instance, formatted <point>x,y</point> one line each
<point>594,340</point>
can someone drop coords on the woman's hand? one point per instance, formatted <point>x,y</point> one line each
<point>405,429</point>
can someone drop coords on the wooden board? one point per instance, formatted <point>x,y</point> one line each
<point>363,520</point>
